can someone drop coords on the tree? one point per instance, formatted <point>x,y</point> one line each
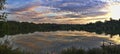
<point>2,2</point>
<point>3,16</point>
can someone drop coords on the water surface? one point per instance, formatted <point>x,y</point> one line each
<point>42,42</point>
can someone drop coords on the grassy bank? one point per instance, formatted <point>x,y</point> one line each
<point>114,49</point>
<point>103,50</point>
<point>5,49</point>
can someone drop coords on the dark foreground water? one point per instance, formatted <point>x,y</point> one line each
<point>54,42</point>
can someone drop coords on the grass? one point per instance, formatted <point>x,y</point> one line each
<point>112,49</point>
<point>7,49</point>
<point>4,49</point>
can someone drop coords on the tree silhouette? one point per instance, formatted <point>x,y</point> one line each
<point>108,27</point>
<point>2,2</point>
<point>3,16</point>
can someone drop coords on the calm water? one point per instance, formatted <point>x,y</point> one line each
<point>42,42</point>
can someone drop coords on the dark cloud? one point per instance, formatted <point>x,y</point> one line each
<point>93,14</point>
<point>24,7</point>
<point>88,8</point>
<point>73,16</point>
<point>74,5</point>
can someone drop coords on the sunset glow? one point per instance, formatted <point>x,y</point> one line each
<point>54,11</point>
<point>60,26</point>
<point>115,11</point>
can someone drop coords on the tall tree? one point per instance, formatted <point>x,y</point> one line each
<point>2,2</point>
<point>3,16</point>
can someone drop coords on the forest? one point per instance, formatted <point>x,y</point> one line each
<point>12,27</point>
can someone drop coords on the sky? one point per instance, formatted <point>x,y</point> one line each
<point>62,11</point>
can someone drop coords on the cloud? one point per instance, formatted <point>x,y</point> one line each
<point>58,11</point>
<point>74,5</point>
<point>24,7</point>
<point>84,8</point>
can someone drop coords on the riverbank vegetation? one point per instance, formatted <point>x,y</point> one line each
<point>5,49</point>
<point>11,27</point>
<point>108,27</point>
<point>111,49</point>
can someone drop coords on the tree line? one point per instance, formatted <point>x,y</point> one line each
<point>13,27</point>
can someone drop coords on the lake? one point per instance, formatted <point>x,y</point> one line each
<point>56,41</point>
